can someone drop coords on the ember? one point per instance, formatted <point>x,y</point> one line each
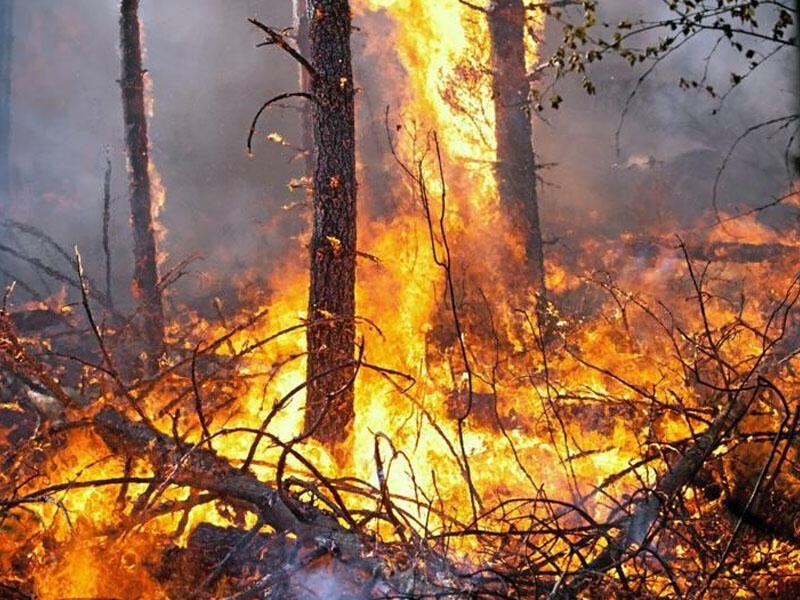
<point>508,402</point>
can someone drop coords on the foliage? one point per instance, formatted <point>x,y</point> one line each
<point>757,30</point>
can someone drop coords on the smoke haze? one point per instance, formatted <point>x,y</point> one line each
<point>230,209</point>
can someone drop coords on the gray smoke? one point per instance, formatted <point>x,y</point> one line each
<point>209,79</point>
<point>656,160</point>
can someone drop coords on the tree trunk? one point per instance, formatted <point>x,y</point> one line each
<point>5,103</point>
<point>515,167</point>
<point>145,274</point>
<point>331,304</point>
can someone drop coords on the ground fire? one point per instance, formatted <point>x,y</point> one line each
<point>525,409</point>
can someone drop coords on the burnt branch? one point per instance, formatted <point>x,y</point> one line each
<point>192,466</point>
<point>106,223</point>
<point>278,39</point>
<point>145,273</point>
<point>266,105</point>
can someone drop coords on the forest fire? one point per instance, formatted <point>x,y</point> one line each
<point>628,430</point>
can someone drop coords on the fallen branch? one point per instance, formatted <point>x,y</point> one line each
<point>194,467</point>
<point>639,527</point>
<point>177,463</point>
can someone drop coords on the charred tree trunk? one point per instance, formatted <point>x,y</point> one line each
<point>515,168</point>
<point>145,274</point>
<point>5,103</point>
<point>331,304</point>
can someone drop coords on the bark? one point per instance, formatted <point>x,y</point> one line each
<point>5,103</point>
<point>515,168</point>
<point>331,304</point>
<point>145,274</point>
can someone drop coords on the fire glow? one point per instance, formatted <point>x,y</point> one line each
<point>465,436</point>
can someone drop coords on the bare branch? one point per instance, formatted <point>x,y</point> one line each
<point>273,37</point>
<point>264,106</point>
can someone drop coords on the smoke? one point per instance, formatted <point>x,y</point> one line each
<point>644,152</point>
<point>209,78</point>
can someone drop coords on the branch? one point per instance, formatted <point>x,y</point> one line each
<point>273,37</point>
<point>473,6</point>
<point>194,467</point>
<point>779,122</point>
<point>264,106</point>
<point>177,463</point>
<point>637,529</point>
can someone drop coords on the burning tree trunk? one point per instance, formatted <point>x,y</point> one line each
<point>515,167</point>
<point>331,303</point>
<point>5,102</point>
<point>145,275</point>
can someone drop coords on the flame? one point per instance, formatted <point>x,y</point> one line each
<point>542,423</point>
<point>158,191</point>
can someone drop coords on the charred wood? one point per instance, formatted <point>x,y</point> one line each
<point>10,592</point>
<point>145,275</point>
<point>318,535</point>
<point>516,164</point>
<point>331,303</point>
<point>210,549</point>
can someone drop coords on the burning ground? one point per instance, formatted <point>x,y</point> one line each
<point>632,433</point>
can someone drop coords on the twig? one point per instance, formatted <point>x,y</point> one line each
<point>106,223</point>
<point>109,363</point>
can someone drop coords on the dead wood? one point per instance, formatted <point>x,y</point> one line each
<point>186,465</point>
<point>181,464</point>
<point>212,552</point>
<point>15,358</point>
<point>12,593</point>
<point>145,274</point>
<point>641,523</point>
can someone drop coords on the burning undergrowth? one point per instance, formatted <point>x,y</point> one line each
<point>644,448</point>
